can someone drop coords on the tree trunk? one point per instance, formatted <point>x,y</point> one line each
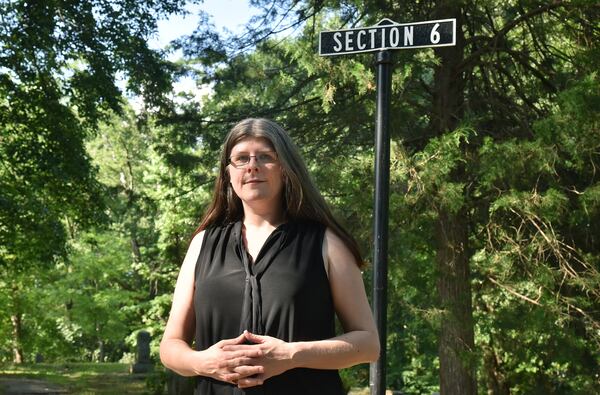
<point>492,363</point>
<point>456,342</point>
<point>100,351</point>
<point>135,248</point>
<point>15,319</point>
<point>496,384</point>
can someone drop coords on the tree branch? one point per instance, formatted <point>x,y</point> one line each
<point>515,293</point>
<point>493,47</point>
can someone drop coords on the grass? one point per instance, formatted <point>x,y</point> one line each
<point>81,378</point>
<point>92,378</point>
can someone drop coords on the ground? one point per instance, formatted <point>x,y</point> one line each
<point>70,378</point>
<point>78,378</point>
<point>14,386</point>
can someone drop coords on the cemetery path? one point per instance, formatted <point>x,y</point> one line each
<point>23,386</point>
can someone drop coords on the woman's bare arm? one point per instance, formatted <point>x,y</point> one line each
<point>360,341</point>
<point>175,348</point>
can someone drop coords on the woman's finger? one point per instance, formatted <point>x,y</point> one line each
<point>240,361</point>
<point>236,340</point>
<point>250,381</point>
<point>246,371</point>
<point>254,338</point>
<point>246,348</point>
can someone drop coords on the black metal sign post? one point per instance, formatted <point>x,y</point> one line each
<point>381,204</point>
<point>382,38</point>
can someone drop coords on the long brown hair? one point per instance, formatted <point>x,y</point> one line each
<point>302,200</point>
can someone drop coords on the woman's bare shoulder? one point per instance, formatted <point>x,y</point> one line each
<point>337,252</point>
<point>193,252</point>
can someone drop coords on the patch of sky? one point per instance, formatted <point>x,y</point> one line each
<point>228,17</point>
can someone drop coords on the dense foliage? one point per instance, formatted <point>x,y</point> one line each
<point>495,195</point>
<point>59,63</point>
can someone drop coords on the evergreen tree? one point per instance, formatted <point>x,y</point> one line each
<point>469,123</point>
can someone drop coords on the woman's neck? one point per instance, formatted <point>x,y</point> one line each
<point>258,218</point>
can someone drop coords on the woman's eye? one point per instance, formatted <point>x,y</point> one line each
<point>265,158</point>
<point>243,158</point>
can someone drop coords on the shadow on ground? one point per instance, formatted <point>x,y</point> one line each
<point>23,386</point>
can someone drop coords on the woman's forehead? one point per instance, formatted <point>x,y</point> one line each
<point>252,143</point>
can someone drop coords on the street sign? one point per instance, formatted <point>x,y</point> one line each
<point>388,34</point>
<point>381,38</point>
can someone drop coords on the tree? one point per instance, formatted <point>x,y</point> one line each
<point>154,201</point>
<point>58,66</point>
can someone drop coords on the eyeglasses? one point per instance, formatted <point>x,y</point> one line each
<point>262,158</point>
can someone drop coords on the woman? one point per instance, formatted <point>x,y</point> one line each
<point>264,275</point>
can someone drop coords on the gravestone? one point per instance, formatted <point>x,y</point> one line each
<point>142,364</point>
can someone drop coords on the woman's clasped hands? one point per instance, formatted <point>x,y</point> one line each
<point>228,365</point>
<point>246,365</point>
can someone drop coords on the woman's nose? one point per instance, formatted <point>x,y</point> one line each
<point>251,165</point>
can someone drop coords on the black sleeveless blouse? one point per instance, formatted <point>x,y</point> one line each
<point>284,294</point>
